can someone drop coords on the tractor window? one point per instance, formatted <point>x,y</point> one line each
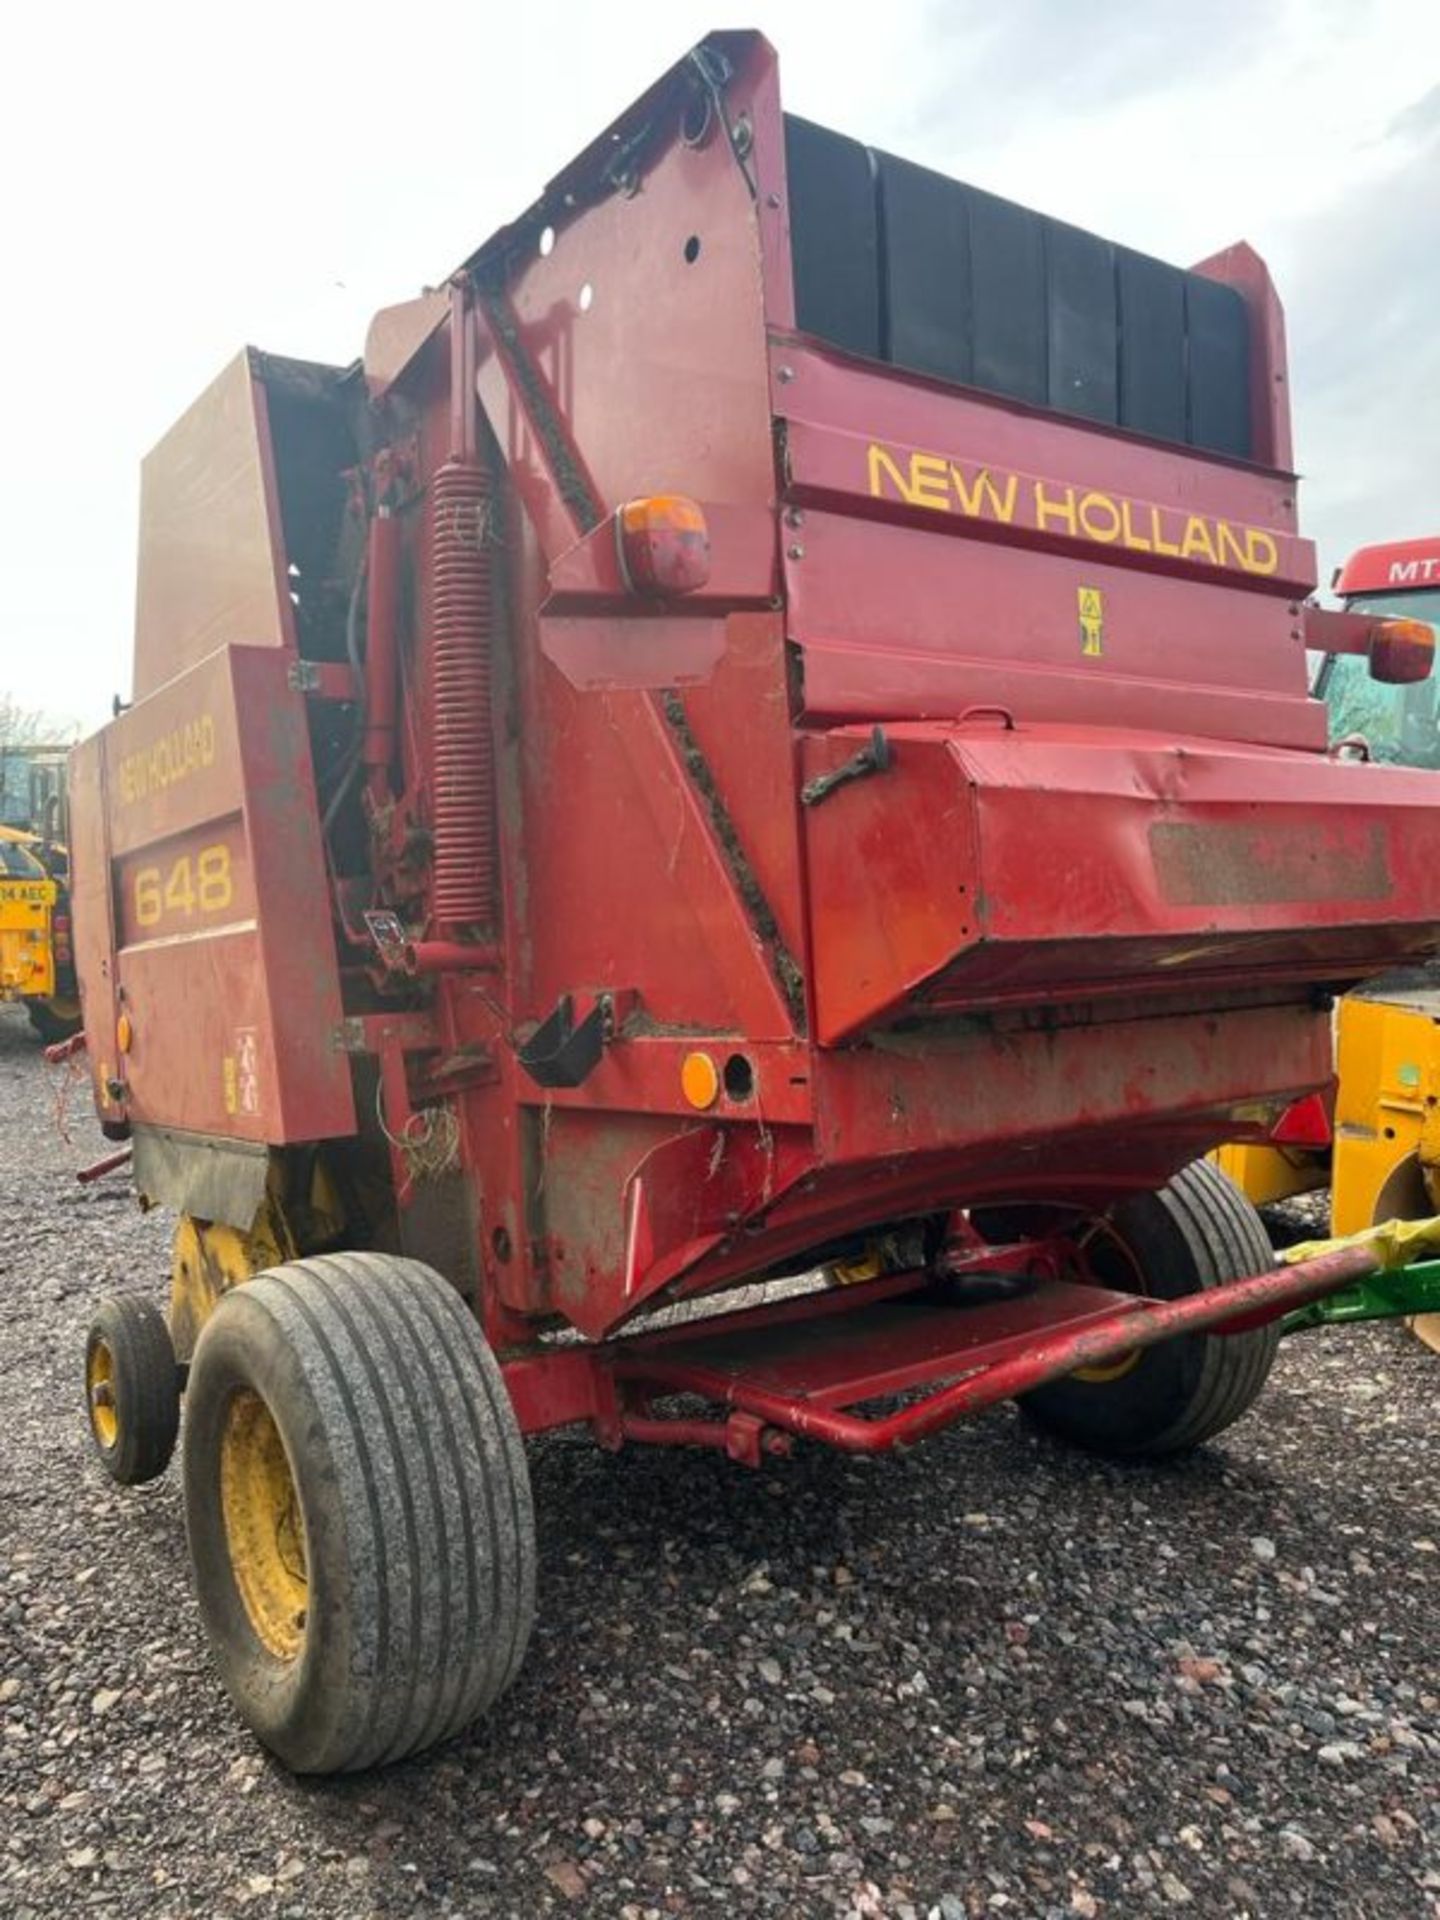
<point>18,863</point>
<point>1402,724</point>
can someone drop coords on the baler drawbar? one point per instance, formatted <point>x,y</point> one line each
<point>761,731</point>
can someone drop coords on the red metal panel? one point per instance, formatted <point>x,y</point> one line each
<point>667,335</point>
<point>212,812</point>
<point>966,622</point>
<point>1242,268</point>
<point>1187,567</point>
<point>1041,864</point>
<point>830,404</point>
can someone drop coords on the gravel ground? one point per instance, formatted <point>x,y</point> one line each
<point>988,1678</point>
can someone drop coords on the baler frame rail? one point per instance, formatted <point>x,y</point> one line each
<point>903,1333</point>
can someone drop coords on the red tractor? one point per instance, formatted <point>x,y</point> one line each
<point>761,730</point>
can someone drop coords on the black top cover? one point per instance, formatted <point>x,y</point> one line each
<point>897,263</point>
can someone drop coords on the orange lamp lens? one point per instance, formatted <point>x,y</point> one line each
<point>124,1033</point>
<point>664,544</point>
<point>1401,651</point>
<point>700,1080</point>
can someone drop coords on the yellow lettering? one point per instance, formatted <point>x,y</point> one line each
<point>1261,553</point>
<point>1197,540</point>
<point>926,484</point>
<point>1128,534</point>
<point>1100,517</point>
<point>1229,551</point>
<point>1063,509</point>
<point>182,751</point>
<point>929,481</point>
<point>1161,544</point>
<point>983,499</point>
<point>921,480</point>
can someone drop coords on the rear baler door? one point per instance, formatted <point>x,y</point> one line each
<point>211,924</point>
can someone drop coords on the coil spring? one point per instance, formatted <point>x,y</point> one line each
<point>464,772</point>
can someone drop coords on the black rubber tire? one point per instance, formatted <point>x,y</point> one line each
<point>144,1384</point>
<point>414,1495</point>
<point>51,1026</point>
<point>1195,1233</point>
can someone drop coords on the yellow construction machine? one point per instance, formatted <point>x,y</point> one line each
<point>37,963</point>
<point>1379,1152</point>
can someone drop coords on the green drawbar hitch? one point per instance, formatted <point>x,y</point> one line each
<point>1391,1294</point>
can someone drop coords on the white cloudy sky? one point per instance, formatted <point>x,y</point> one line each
<point>178,179</point>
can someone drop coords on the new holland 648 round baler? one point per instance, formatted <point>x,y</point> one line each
<point>762,729</point>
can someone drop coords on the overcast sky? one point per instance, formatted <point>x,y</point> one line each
<point>181,179</point>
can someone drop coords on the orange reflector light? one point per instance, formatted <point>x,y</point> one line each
<point>124,1033</point>
<point>1401,651</point>
<point>700,1080</point>
<point>663,544</point>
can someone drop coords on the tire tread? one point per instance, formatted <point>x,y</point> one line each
<point>431,1477</point>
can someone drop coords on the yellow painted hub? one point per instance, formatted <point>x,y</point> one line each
<point>100,1394</point>
<point>1099,1240</point>
<point>1109,1370</point>
<point>264,1529</point>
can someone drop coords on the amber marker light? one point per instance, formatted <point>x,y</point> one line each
<point>1401,651</point>
<point>663,544</point>
<point>700,1080</point>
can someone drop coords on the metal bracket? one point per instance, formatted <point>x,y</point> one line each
<point>326,679</point>
<point>876,758</point>
<point>562,1052</point>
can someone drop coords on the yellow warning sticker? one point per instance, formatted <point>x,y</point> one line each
<point>1092,620</point>
<point>231,1082</point>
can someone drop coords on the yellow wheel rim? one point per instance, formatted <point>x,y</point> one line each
<point>264,1529</point>
<point>100,1395</point>
<point>1123,1363</point>
<point>1113,1370</point>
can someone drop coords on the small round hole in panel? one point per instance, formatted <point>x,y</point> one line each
<point>739,1077</point>
<point>691,249</point>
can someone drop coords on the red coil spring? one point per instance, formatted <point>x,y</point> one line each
<point>464,771</point>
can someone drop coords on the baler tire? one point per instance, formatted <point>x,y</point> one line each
<point>358,1507</point>
<point>1194,1234</point>
<point>132,1389</point>
<point>50,1022</point>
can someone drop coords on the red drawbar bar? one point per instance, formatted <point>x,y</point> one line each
<point>803,1365</point>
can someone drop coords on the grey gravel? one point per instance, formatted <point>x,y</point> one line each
<point>988,1678</point>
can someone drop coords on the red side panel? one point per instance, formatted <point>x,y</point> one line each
<point>993,867</point>
<point>194,805</point>
<point>947,550</point>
